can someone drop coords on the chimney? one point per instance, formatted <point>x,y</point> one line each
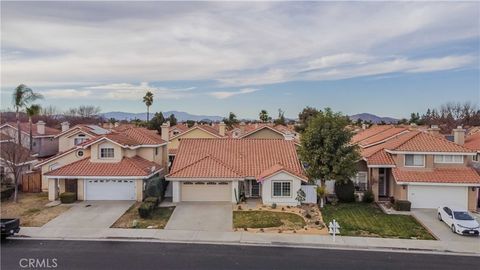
<point>413,126</point>
<point>364,126</point>
<point>41,127</point>
<point>434,130</point>
<point>165,130</point>
<point>65,126</point>
<point>221,128</point>
<point>459,135</point>
<point>242,127</point>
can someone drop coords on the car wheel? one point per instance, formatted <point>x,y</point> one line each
<point>439,216</point>
<point>453,229</point>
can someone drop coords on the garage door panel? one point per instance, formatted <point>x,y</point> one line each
<point>436,196</point>
<point>110,190</point>
<point>209,192</point>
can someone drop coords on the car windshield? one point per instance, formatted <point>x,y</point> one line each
<point>462,216</point>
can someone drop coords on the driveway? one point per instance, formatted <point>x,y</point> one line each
<point>428,217</point>
<point>90,214</point>
<point>201,216</point>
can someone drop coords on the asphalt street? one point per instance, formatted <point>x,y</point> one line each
<point>36,254</point>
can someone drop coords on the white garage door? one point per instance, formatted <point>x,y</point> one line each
<point>436,196</point>
<point>206,192</point>
<point>110,190</point>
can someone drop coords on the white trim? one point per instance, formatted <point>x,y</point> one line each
<point>437,184</point>
<point>281,171</point>
<point>381,166</point>
<point>105,177</point>
<point>446,162</point>
<point>174,179</point>
<point>281,188</point>
<point>430,153</point>
<point>193,128</point>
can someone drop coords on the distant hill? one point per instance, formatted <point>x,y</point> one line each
<point>373,118</point>
<point>181,116</point>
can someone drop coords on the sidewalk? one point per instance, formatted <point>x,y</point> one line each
<point>248,238</point>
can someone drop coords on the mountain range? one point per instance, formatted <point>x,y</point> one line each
<point>184,116</point>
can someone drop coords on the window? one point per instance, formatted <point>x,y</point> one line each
<point>282,189</point>
<point>211,183</point>
<point>156,151</point>
<point>448,159</point>
<point>199,183</point>
<point>106,153</point>
<point>476,157</point>
<point>79,139</point>
<point>360,181</point>
<point>223,183</point>
<point>187,183</point>
<point>414,160</point>
<point>79,153</point>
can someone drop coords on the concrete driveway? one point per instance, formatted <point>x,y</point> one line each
<point>201,216</point>
<point>90,214</point>
<point>428,217</point>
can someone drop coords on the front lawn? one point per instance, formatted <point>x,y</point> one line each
<point>360,219</point>
<point>158,220</point>
<point>267,219</point>
<point>31,209</point>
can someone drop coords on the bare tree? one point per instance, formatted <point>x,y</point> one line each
<point>16,160</point>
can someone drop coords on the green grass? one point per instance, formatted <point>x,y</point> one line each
<point>361,219</point>
<point>266,219</point>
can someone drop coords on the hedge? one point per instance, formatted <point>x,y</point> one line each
<point>345,191</point>
<point>368,197</point>
<point>402,205</point>
<point>156,188</point>
<point>68,197</point>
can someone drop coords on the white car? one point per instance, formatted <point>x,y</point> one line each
<point>459,220</point>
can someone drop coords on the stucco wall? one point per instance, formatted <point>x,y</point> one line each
<point>195,133</point>
<point>472,199</point>
<point>46,147</point>
<point>95,152</point>
<point>267,189</point>
<point>67,141</point>
<point>265,134</point>
<point>80,189</point>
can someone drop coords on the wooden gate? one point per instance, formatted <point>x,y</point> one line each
<point>32,182</point>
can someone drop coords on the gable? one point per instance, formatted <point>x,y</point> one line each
<point>264,133</point>
<point>196,133</point>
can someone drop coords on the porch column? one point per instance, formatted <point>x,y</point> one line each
<point>52,189</point>
<point>175,191</point>
<point>235,192</point>
<point>374,183</point>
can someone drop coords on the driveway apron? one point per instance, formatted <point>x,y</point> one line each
<point>201,216</point>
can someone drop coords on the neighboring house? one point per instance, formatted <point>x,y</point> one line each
<point>473,142</point>
<point>418,166</point>
<point>44,142</point>
<point>14,158</point>
<point>71,137</point>
<point>223,169</point>
<point>112,166</point>
<point>263,131</point>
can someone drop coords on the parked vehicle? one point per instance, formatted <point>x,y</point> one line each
<point>459,220</point>
<point>10,226</point>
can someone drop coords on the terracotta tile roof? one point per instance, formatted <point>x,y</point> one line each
<point>380,158</point>
<point>367,133</point>
<point>382,136</point>
<point>134,166</point>
<point>172,151</point>
<point>5,137</point>
<point>25,128</point>
<point>389,144</point>
<point>424,142</point>
<point>133,136</point>
<point>92,130</point>
<point>12,152</point>
<point>247,157</point>
<point>460,175</point>
<point>206,167</point>
<point>473,142</point>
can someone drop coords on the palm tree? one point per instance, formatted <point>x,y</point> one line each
<point>22,97</point>
<point>32,111</point>
<point>263,115</point>
<point>148,100</point>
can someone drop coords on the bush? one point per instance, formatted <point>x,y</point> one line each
<point>6,193</point>
<point>153,200</point>
<point>392,200</point>
<point>68,197</point>
<point>274,205</point>
<point>156,187</point>
<point>368,197</point>
<point>145,210</point>
<point>402,205</point>
<point>308,216</point>
<point>345,191</point>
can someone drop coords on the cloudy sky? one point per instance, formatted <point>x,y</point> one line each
<point>211,57</point>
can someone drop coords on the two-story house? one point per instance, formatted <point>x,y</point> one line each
<point>418,166</point>
<point>111,166</point>
<point>44,142</point>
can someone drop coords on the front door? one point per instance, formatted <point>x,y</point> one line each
<point>254,188</point>
<point>382,182</point>
<point>71,185</point>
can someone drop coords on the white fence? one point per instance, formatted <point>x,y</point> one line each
<point>310,192</point>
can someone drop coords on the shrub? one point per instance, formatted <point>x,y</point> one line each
<point>402,205</point>
<point>392,200</point>
<point>317,222</point>
<point>68,197</point>
<point>7,192</point>
<point>274,205</point>
<point>145,210</point>
<point>368,197</point>
<point>308,216</point>
<point>153,200</point>
<point>345,191</point>
<point>156,187</point>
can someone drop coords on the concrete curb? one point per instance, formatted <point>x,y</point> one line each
<point>259,243</point>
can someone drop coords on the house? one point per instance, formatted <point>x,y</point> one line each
<point>472,141</point>
<point>78,134</point>
<point>111,166</point>
<point>14,159</point>
<point>263,131</point>
<point>223,169</point>
<point>44,142</point>
<point>422,167</point>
